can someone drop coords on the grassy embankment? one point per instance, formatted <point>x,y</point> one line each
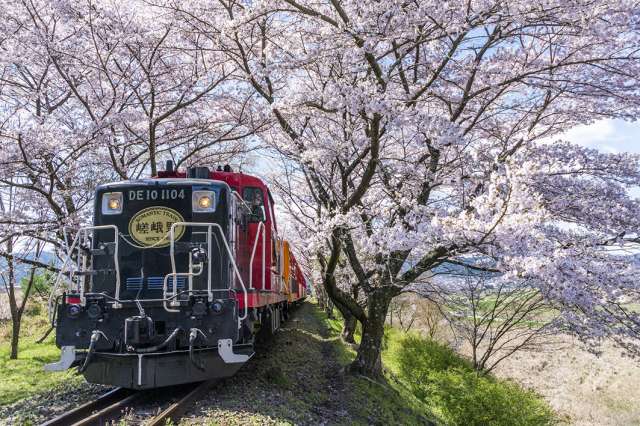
<point>25,376</point>
<point>299,380</point>
<point>448,388</point>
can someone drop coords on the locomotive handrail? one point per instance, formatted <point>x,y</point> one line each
<point>209,226</point>
<point>83,232</point>
<point>164,289</point>
<point>173,296</point>
<point>261,229</point>
<point>190,276</point>
<point>190,273</point>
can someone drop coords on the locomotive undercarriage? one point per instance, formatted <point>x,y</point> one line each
<point>197,348</point>
<point>176,366</point>
<point>144,346</point>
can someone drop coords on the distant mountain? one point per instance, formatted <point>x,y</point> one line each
<point>22,270</point>
<point>448,268</point>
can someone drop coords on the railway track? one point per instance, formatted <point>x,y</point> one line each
<point>112,405</point>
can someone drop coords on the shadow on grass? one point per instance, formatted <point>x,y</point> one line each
<point>449,386</point>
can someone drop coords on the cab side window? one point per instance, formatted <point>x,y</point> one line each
<point>274,256</point>
<point>254,198</point>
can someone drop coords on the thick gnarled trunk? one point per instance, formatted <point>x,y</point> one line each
<point>368,360</point>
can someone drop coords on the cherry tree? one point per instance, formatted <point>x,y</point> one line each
<point>95,91</point>
<point>428,132</point>
<point>298,210</point>
<point>148,89</point>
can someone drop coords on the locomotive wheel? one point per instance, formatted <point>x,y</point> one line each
<point>248,331</point>
<point>266,327</point>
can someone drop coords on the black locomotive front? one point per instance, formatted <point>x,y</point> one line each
<point>157,303</point>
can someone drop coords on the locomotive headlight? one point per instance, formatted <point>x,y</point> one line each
<point>203,201</point>
<point>112,203</point>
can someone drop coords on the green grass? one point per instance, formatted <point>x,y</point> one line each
<point>453,391</point>
<point>25,376</point>
<point>442,385</point>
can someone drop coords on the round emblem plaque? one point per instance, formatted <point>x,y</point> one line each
<point>150,227</point>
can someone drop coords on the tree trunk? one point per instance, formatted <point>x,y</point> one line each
<point>16,316</point>
<point>319,299</point>
<point>349,328</point>
<point>152,150</point>
<point>368,361</point>
<point>17,308</point>
<point>328,309</point>
<point>349,323</point>
<point>15,337</point>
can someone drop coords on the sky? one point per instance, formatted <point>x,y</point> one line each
<point>607,136</point>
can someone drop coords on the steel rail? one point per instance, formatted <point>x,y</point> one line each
<point>113,411</point>
<point>174,411</point>
<point>110,406</point>
<point>94,411</point>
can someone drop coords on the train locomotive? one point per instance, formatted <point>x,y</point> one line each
<point>174,281</point>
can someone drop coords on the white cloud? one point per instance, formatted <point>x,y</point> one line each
<point>607,136</point>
